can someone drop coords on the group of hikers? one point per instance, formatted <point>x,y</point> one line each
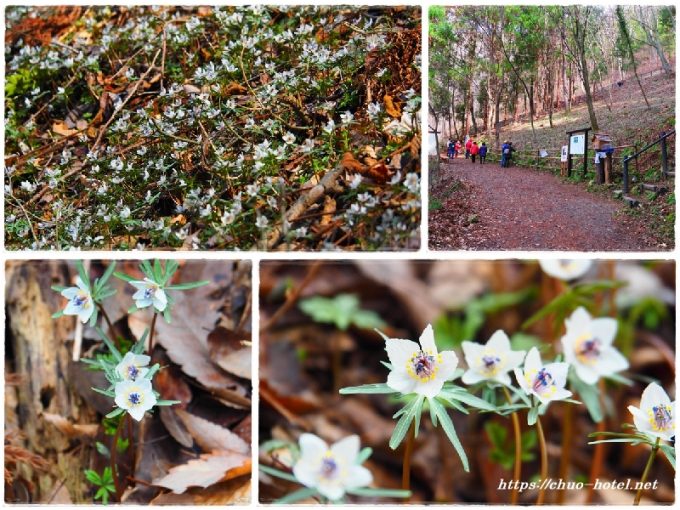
<point>473,149</point>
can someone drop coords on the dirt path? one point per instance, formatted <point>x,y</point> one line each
<point>515,208</point>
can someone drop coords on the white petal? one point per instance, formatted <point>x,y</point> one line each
<point>499,342</point>
<point>514,359</point>
<point>521,380</point>
<point>503,378</point>
<point>85,314</point>
<point>143,303</point>
<point>472,377</point>
<point>70,293</point>
<point>586,374</point>
<point>358,476</point>
<point>604,330</point>
<point>331,491</point>
<point>426,340</point>
<point>561,394</point>
<point>400,351</point>
<point>307,473</point>
<point>312,446</point>
<point>400,381</point>
<point>160,304</point>
<point>72,309</point>
<point>431,388</point>
<point>137,412</point>
<point>653,396</point>
<point>612,361</point>
<point>81,284</point>
<point>579,319</point>
<point>347,449</point>
<point>472,351</point>
<point>447,367</point>
<point>639,419</point>
<point>533,360</point>
<point>139,284</point>
<point>559,373</point>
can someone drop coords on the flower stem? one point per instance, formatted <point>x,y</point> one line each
<point>544,461</point>
<point>565,453</point>
<point>598,455</point>
<point>517,471</point>
<point>645,473</point>
<point>151,331</point>
<point>408,450</point>
<point>114,466</point>
<point>109,324</point>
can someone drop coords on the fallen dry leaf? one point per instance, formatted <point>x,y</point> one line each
<point>210,436</point>
<point>202,472</point>
<point>69,429</point>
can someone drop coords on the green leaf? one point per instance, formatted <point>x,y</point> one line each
<point>278,473</point>
<point>341,310</point>
<point>93,477</point>
<point>418,412</point>
<point>115,412</point>
<point>58,288</point>
<point>298,495</point>
<point>83,274</point>
<point>450,431</point>
<point>58,314</point>
<point>669,452</point>
<point>188,285</point>
<point>469,399</point>
<point>109,344</point>
<point>102,449</point>
<point>532,416</point>
<point>167,402</point>
<point>376,389</point>
<point>559,303</point>
<point>371,492</point>
<point>124,276</point>
<point>108,393</point>
<point>364,454</point>
<point>404,422</point>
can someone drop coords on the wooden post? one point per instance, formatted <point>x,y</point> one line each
<point>585,154</point>
<point>664,157</point>
<point>569,164</point>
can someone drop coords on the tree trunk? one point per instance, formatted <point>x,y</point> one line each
<point>625,34</point>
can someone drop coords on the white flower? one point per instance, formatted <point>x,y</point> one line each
<point>125,213</point>
<point>565,269</point>
<point>289,138</point>
<point>373,110</point>
<point>346,118</point>
<point>588,346</point>
<point>308,146</point>
<point>546,382</point>
<point>149,293</point>
<point>261,222</point>
<point>135,397</point>
<point>656,415</point>
<point>419,368</point>
<point>492,361</point>
<point>330,470</point>
<point>412,182</point>
<point>132,366</point>
<point>356,181</point>
<point>330,127</point>
<point>80,301</point>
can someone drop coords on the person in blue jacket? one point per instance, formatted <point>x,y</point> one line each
<point>482,153</point>
<point>505,153</point>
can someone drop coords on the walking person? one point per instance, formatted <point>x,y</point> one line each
<point>468,144</point>
<point>482,153</point>
<point>450,149</point>
<point>505,153</point>
<point>474,150</point>
<point>457,148</point>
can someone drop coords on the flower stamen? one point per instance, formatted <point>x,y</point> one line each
<point>423,365</point>
<point>660,417</point>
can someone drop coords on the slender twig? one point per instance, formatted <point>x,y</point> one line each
<point>151,331</point>
<point>544,462</point>
<point>517,471</point>
<point>292,297</point>
<point>648,468</point>
<point>406,466</point>
<point>114,467</point>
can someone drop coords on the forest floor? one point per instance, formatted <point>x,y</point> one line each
<point>624,115</point>
<point>493,208</point>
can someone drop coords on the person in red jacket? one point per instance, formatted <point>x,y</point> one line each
<point>457,149</point>
<point>468,144</point>
<point>474,150</point>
